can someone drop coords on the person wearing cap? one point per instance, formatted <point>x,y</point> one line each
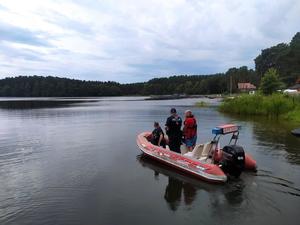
<point>173,130</point>
<point>158,136</point>
<point>190,130</point>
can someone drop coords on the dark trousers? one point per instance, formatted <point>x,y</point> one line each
<point>174,144</point>
<point>162,143</point>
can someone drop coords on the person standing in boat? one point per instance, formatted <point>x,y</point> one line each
<point>190,130</point>
<point>173,130</point>
<point>158,136</point>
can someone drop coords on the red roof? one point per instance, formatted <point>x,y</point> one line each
<point>246,86</point>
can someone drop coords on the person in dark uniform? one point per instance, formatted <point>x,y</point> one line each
<point>158,136</point>
<point>173,130</point>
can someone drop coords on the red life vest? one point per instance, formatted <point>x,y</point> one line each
<point>190,127</point>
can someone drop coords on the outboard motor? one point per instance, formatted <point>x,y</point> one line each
<point>233,160</point>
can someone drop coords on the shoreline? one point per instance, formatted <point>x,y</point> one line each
<point>277,106</point>
<point>170,97</point>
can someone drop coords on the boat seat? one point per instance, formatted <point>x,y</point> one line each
<point>197,151</point>
<point>208,147</point>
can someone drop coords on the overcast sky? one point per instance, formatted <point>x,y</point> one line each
<point>136,40</point>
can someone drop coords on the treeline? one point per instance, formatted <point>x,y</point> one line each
<point>201,84</point>
<point>38,86</point>
<point>284,57</point>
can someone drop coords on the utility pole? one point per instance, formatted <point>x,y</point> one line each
<point>230,84</point>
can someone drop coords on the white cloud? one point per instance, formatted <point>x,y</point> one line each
<point>135,40</point>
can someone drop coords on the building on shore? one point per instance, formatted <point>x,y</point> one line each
<point>247,88</point>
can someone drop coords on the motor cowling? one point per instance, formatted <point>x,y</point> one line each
<point>233,160</point>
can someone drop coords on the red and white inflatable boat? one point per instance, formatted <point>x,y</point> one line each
<point>207,161</point>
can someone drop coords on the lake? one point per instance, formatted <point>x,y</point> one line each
<point>75,161</point>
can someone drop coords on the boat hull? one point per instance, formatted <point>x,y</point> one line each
<point>196,168</point>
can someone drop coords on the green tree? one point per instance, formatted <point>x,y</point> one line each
<point>283,57</point>
<point>270,82</point>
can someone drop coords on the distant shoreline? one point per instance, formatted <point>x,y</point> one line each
<point>170,97</point>
<point>146,98</point>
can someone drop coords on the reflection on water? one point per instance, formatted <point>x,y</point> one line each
<point>179,187</point>
<point>63,163</point>
<point>176,188</point>
<point>235,194</point>
<point>274,137</point>
<point>278,184</point>
<point>182,188</point>
<point>174,191</point>
<point>242,196</point>
<point>35,104</point>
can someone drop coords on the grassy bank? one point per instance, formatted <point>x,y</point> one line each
<point>201,104</point>
<point>276,106</point>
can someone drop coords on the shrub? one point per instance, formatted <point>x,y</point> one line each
<point>275,105</point>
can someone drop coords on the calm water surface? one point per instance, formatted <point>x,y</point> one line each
<point>75,161</point>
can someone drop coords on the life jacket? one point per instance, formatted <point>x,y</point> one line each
<point>190,127</point>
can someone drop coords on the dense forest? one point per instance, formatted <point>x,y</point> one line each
<point>284,57</point>
<point>35,86</point>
